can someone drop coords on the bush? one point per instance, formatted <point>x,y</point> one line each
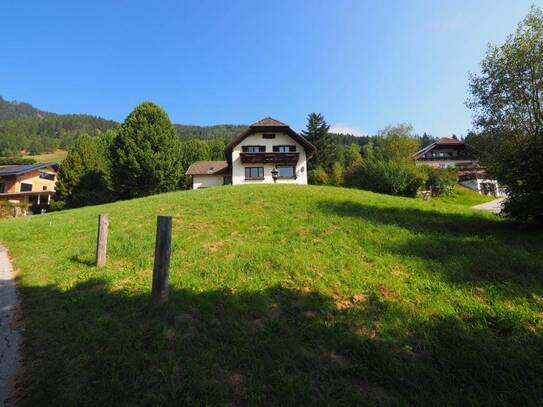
<point>440,180</point>
<point>318,176</point>
<point>386,177</point>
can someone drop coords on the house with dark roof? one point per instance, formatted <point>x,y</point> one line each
<point>33,183</point>
<point>452,153</point>
<point>267,152</point>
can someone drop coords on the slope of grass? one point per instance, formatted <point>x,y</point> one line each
<point>464,196</point>
<point>282,295</point>
<point>57,156</point>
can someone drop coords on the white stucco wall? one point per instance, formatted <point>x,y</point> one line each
<point>206,181</point>
<point>475,185</point>
<point>281,139</point>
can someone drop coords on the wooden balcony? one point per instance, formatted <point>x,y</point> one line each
<point>269,158</point>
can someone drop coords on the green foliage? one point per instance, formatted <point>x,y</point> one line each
<point>388,165</point>
<point>351,155</point>
<point>386,176</point>
<point>84,176</point>
<point>336,175</point>
<point>396,143</point>
<point>317,133</point>
<point>440,180</point>
<point>25,128</point>
<point>224,132</point>
<point>16,161</point>
<point>192,151</point>
<point>507,100</point>
<point>145,153</point>
<point>318,176</point>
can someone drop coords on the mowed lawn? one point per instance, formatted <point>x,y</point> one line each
<point>282,295</point>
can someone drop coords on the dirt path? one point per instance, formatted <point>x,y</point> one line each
<point>494,206</point>
<point>10,337</point>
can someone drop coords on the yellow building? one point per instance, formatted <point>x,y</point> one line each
<point>33,184</point>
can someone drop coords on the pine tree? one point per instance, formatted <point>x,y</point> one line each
<point>145,153</point>
<point>317,133</point>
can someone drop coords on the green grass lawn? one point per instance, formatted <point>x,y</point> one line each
<point>57,156</point>
<point>282,295</point>
<point>463,196</point>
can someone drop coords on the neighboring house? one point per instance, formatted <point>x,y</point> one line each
<point>33,183</point>
<point>452,153</point>
<point>266,148</point>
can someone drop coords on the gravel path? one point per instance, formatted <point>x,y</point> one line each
<point>10,337</point>
<point>494,206</point>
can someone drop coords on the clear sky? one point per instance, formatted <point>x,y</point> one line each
<point>363,64</point>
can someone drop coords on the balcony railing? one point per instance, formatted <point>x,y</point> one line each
<point>269,158</point>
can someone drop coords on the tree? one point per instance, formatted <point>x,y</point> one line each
<point>191,151</point>
<point>84,177</point>
<point>507,101</point>
<point>145,153</point>
<point>317,133</point>
<point>216,149</point>
<point>351,155</point>
<point>395,143</point>
<point>388,165</point>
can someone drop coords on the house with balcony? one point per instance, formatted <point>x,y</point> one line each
<point>267,152</point>
<point>452,153</point>
<point>33,184</point>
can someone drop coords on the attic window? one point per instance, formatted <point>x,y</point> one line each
<point>211,168</point>
<point>268,135</point>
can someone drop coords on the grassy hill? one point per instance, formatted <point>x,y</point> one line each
<point>282,295</point>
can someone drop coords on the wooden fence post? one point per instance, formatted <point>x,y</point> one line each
<point>161,267</point>
<point>101,241</point>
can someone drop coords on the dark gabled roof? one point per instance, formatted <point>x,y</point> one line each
<point>15,170</point>
<point>208,168</point>
<point>269,124</point>
<point>442,142</point>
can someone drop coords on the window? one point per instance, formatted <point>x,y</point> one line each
<point>46,175</point>
<point>254,172</point>
<point>286,172</point>
<point>2,187</point>
<point>268,135</point>
<point>25,187</point>
<point>284,149</point>
<point>44,187</point>
<point>253,149</point>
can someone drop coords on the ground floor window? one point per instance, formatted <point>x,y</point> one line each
<point>2,187</point>
<point>286,172</point>
<point>254,172</point>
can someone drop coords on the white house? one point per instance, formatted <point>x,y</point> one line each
<point>267,148</point>
<point>452,153</point>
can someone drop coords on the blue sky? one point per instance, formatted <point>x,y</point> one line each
<point>363,64</point>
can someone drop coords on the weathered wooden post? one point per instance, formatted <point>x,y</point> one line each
<point>101,241</point>
<point>161,268</point>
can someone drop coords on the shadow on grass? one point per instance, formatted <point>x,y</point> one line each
<point>91,345</point>
<point>80,260</point>
<point>467,248</point>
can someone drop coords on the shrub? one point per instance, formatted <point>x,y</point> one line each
<point>318,176</point>
<point>440,180</point>
<point>386,177</point>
